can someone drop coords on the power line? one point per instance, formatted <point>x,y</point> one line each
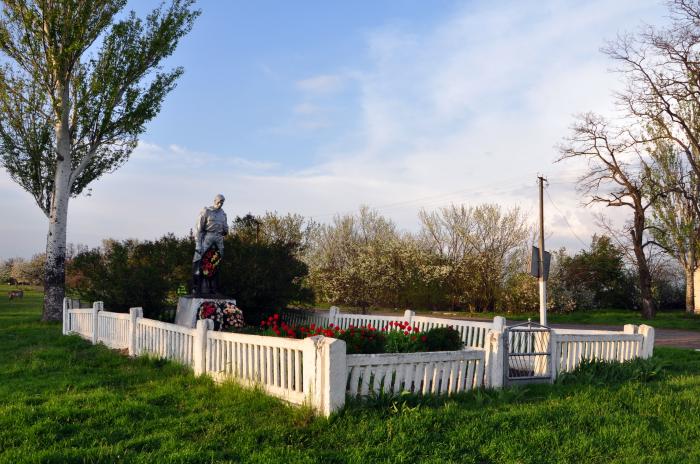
<point>440,199</point>
<point>565,219</point>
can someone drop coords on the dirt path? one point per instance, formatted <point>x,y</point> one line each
<point>663,337</point>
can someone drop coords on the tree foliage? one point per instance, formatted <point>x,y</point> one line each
<point>262,277</point>
<point>77,86</point>
<point>105,97</point>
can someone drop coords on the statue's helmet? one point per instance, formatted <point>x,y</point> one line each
<point>219,199</point>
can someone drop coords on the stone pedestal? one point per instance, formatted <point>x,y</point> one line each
<point>187,307</point>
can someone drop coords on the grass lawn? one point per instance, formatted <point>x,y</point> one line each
<point>677,319</point>
<point>64,400</point>
<point>663,320</point>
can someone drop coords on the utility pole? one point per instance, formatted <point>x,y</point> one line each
<point>541,277</point>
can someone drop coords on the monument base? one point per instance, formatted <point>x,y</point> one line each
<point>188,306</point>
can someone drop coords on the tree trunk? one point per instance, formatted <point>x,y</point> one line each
<point>55,270</point>
<point>689,289</point>
<point>648,307</point>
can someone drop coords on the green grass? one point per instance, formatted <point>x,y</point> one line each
<point>64,400</point>
<point>663,320</point>
<point>676,319</point>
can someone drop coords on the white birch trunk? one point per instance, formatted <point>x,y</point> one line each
<point>55,278</point>
<point>689,289</point>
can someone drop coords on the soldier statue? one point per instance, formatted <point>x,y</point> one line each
<point>210,231</point>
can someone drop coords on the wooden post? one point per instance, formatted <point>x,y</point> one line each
<point>134,315</point>
<point>554,354</point>
<point>495,349</point>
<point>408,316</point>
<point>542,280</point>
<point>333,315</point>
<point>325,373</point>
<point>95,317</point>
<point>331,375</point>
<point>629,329</point>
<point>200,346</point>
<point>310,371</point>
<point>648,344</point>
<point>499,323</point>
<point>66,316</point>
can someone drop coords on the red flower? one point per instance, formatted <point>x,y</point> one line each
<point>424,339</point>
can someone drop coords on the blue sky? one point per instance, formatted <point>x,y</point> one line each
<point>319,107</point>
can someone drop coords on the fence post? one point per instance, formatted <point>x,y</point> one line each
<point>333,315</point>
<point>134,314</point>
<point>553,354</point>
<point>309,362</point>
<point>495,349</point>
<point>200,346</point>
<point>66,316</point>
<point>499,323</point>
<point>408,316</point>
<point>629,329</point>
<point>331,375</point>
<point>95,317</point>
<point>648,342</point>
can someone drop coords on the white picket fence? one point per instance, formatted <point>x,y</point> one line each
<point>300,316</point>
<point>275,364</point>
<point>473,333</point>
<point>317,371</point>
<point>445,372</point>
<point>570,347</point>
<point>164,340</point>
<point>113,329</point>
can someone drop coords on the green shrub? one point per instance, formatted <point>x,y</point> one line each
<point>262,276</point>
<point>441,339</point>
<point>364,340</point>
<point>130,273</point>
<point>398,342</point>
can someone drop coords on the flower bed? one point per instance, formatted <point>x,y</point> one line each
<point>396,337</point>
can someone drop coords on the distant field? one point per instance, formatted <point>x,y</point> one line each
<point>65,400</point>
<point>664,319</point>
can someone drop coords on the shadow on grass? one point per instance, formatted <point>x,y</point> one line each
<point>607,377</point>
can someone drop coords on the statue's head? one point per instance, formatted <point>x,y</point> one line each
<point>219,201</point>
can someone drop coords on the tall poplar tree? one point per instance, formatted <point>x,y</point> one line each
<point>77,86</point>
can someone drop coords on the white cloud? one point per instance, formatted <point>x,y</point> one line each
<point>322,84</point>
<point>306,108</point>
<point>468,111</point>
